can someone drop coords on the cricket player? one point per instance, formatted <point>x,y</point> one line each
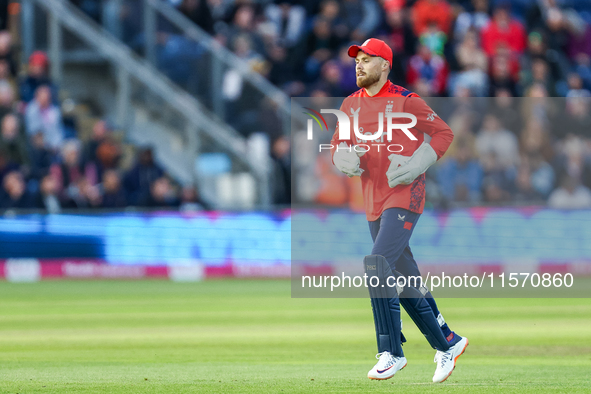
<point>392,172</point>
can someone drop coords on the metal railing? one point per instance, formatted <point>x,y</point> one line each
<point>222,58</point>
<point>153,27</point>
<point>131,68</point>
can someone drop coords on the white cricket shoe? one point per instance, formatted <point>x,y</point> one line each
<point>387,366</point>
<point>446,361</point>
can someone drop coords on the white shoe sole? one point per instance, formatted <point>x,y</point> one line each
<point>455,359</point>
<point>388,377</point>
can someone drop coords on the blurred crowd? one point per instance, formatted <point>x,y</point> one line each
<point>45,164</point>
<point>516,151</point>
<point>442,48</point>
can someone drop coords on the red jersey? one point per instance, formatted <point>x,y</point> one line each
<point>514,37</point>
<point>377,194</point>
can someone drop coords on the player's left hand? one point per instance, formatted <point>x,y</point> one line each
<point>347,160</point>
<point>396,161</point>
<point>410,169</point>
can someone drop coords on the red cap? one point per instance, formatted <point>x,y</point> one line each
<point>373,47</point>
<point>38,58</point>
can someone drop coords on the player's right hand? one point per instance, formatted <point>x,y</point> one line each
<point>347,161</point>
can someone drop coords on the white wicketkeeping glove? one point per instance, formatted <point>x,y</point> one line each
<point>404,170</point>
<point>347,161</point>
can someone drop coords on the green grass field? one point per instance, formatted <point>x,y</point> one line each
<point>250,336</point>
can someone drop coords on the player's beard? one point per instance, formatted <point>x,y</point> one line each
<point>368,79</point>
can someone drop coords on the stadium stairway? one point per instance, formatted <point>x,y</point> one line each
<point>117,84</point>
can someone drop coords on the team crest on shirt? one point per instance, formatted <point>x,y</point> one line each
<point>389,107</point>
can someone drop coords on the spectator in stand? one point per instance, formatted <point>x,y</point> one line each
<point>243,47</point>
<point>428,68</point>
<point>289,20</point>
<point>113,195</point>
<point>582,66</point>
<point>5,165</point>
<point>331,79</point>
<point>504,73</point>
<point>100,131</point>
<point>503,31</point>
<point>401,36</point>
<point>474,65</point>
<point>397,31</point>
<point>578,119</point>
<point>238,95</point>
<point>579,53</point>
<point>559,27</point>
<point>84,195</point>
<point>463,123</point>
<point>281,156</point>
<point>108,154</point>
<point>499,155</point>
<point>476,18</point>
<point>504,107</point>
<point>535,139</point>
<point>575,87</point>
<point>7,101</point>
<point>572,160</point>
<point>524,190</point>
<point>537,48</point>
<point>47,197</point>
<point>570,195</point>
<point>72,169</point>
<point>344,63</point>
<point>427,12</point>
<point>460,177</point>
<point>392,5</point>
<point>41,157</point>
<point>538,73</point>
<point>579,41</point>
<point>541,107</point>
<point>162,194</point>
<point>496,183</point>
<point>321,44</point>
<point>330,12</point>
<point>5,71</point>
<point>497,143</point>
<point>434,39</point>
<point>281,71</point>
<point>245,23</point>
<point>42,115</point>
<point>138,179</point>
<point>535,176</point>
<point>6,56</point>
<point>12,142</point>
<point>361,18</point>
<point>14,193</point>
<point>69,119</point>
<point>542,175</point>
<point>37,75</point>
<point>269,117</point>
